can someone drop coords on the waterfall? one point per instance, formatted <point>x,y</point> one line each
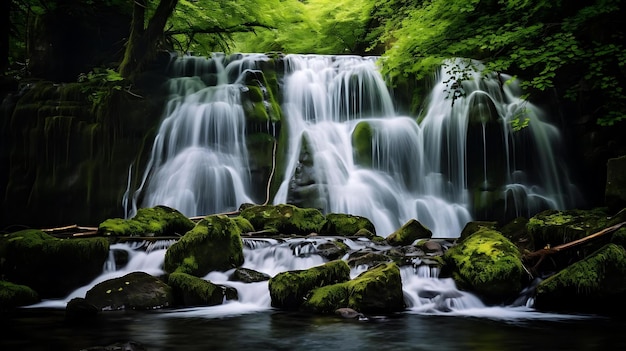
<point>345,149</point>
<point>199,161</point>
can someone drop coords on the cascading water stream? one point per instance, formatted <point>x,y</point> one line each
<point>347,151</point>
<point>199,163</point>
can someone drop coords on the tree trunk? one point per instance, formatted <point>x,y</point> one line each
<point>143,43</point>
<point>5,26</point>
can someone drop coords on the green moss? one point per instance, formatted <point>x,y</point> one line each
<point>285,219</point>
<point>362,143</point>
<point>288,289</point>
<point>348,225</point>
<point>159,221</point>
<point>34,258</point>
<point>194,291</point>
<point>15,295</point>
<point>488,264</point>
<point>408,233</point>
<point>378,290</point>
<point>136,290</point>
<point>213,244</point>
<point>554,227</point>
<point>597,282</point>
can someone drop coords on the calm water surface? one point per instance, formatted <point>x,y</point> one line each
<point>46,329</point>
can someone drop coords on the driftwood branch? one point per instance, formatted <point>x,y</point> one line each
<point>543,253</point>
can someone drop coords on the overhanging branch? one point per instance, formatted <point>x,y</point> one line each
<point>243,27</point>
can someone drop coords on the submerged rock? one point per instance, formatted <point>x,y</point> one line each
<point>378,290</point>
<point>487,264</point>
<point>349,313</point>
<point>78,310</point>
<point>156,221</point>
<point>246,275</point>
<point>332,250</point>
<point>136,291</point>
<point>214,244</point>
<point>288,289</point>
<point>596,284</point>
<point>53,267</point>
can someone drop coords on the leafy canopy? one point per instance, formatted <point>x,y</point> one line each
<point>544,41</point>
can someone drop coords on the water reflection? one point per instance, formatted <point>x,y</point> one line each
<point>45,329</point>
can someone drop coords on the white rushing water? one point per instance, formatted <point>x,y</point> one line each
<point>348,151</point>
<point>424,292</point>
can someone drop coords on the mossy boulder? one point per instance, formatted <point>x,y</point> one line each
<point>288,289</point>
<point>553,228</point>
<point>15,295</point>
<point>472,227</point>
<point>134,291</point>
<point>53,267</point>
<point>378,290</point>
<point>214,244</point>
<point>362,137</point>
<point>155,221</point>
<point>595,284</point>
<point>408,233</point>
<point>487,264</point>
<point>194,291</point>
<point>285,219</point>
<point>341,224</point>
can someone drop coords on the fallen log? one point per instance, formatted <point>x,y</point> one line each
<point>543,253</point>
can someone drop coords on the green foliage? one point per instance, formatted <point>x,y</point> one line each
<point>545,42</point>
<point>205,26</point>
<point>99,84</point>
<point>315,26</point>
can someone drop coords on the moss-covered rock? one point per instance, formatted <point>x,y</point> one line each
<point>362,143</point>
<point>408,233</point>
<point>347,225</point>
<point>284,219</point>
<point>552,227</point>
<point>332,250</point>
<point>595,284</point>
<point>246,275</point>
<point>194,291</point>
<point>516,231</point>
<point>367,258</point>
<point>487,264</point>
<point>378,290</point>
<point>53,267</point>
<point>288,289</point>
<point>136,291</point>
<point>15,295</point>
<point>157,221</point>
<point>214,244</point>
<point>472,227</point>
